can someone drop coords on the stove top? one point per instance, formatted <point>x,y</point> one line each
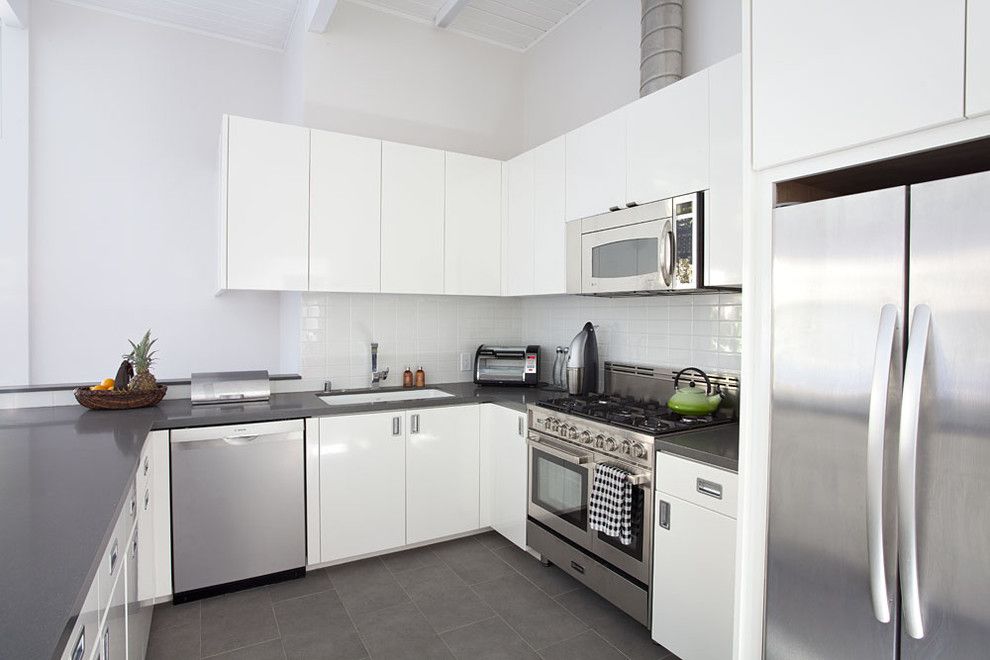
<point>648,417</point>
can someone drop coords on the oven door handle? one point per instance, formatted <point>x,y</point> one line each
<point>559,452</point>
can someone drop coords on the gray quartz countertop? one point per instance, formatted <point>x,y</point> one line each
<point>717,446</point>
<point>64,473</point>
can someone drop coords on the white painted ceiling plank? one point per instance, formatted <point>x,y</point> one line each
<point>479,18</point>
<point>505,11</point>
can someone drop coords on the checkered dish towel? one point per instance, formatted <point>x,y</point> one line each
<point>610,511</point>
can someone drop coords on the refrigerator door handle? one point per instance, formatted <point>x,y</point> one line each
<point>907,461</point>
<point>877,431</point>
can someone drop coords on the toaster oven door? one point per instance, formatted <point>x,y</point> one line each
<point>628,258</point>
<point>501,367</point>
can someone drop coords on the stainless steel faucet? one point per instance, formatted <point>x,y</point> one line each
<point>376,376</point>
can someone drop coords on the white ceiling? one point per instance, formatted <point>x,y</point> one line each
<point>258,22</point>
<point>515,24</point>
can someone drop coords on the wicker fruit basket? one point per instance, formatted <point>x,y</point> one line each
<point>118,400</point>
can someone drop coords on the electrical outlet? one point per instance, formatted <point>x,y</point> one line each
<point>465,362</point>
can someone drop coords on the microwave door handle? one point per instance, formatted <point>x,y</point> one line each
<point>667,253</point>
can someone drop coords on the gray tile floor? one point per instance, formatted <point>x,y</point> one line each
<point>477,597</point>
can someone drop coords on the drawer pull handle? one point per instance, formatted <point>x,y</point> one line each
<point>710,488</point>
<point>577,567</point>
<point>113,556</point>
<point>396,426</point>
<point>146,465</point>
<point>664,514</point>
<point>147,499</point>
<point>80,648</point>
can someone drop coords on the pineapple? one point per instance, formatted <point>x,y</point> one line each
<point>141,356</point>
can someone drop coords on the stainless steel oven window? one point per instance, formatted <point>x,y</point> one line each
<point>626,258</point>
<point>560,487</point>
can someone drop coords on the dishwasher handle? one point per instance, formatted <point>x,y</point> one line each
<point>237,440</point>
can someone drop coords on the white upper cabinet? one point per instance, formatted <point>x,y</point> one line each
<point>517,246</point>
<point>473,226</point>
<point>667,153</point>
<point>596,166</point>
<point>549,238</point>
<point>412,219</point>
<point>977,57</point>
<point>831,74</point>
<point>344,213</point>
<point>264,243</point>
<point>442,472</point>
<point>723,215</point>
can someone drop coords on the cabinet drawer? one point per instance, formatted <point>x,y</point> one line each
<point>706,486</point>
<point>113,557</point>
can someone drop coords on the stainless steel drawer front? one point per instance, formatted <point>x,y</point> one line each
<point>238,503</point>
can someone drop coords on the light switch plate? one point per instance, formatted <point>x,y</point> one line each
<point>465,362</point>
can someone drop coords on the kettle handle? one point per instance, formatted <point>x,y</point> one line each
<point>708,382</point>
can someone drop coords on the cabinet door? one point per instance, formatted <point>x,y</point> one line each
<point>596,166</point>
<point>667,152</point>
<point>549,237</point>
<point>266,205</point>
<point>362,484</point>
<point>693,579</point>
<point>345,213</point>
<point>473,226</point>
<point>831,74</point>
<point>517,262</point>
<point>723,210</point>
<point>977,57</point>
<point>412,219</point>
<point>442,472</point>
<point>507,431</point>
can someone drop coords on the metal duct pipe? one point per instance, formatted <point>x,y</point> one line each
<point>662,47</point>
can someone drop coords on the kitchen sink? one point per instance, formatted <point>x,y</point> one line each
<point>382,397</point>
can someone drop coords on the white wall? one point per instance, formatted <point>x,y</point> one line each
<point>387,77</point>
<point>589,65</point>
<point>14,44</point>
<point>125,120</point>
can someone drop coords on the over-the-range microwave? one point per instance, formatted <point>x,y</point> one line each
<point>650,248</point>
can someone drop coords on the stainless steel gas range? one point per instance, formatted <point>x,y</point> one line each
<point>568,437</point>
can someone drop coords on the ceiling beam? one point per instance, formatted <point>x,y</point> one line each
<point>320,12</point>
<point>446,14</point>
<point>14,13</point>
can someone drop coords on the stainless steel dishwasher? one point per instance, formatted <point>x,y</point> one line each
<point>238,507</point>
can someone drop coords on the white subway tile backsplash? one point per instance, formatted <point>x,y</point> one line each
<point>432,331</point>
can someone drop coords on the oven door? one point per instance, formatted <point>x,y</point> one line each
<point>629,258</point>
<point>634,559</point>
<point>559,485</point>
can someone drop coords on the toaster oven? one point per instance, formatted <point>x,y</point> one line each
<point>507,365</point>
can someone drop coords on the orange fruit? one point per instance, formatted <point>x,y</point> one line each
<point>102,388</point>
<point>108,383</point>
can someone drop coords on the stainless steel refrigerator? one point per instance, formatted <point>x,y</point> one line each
<point>879,528</point>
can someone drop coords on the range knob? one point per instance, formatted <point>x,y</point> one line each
<point>585,438</point>
<point>572,432</point>
<point>548,422</point>
<point>555,424</point>
<point>626,447</point>
<point>638,450</point>
<point>611,444</point>
<point>600,441</point>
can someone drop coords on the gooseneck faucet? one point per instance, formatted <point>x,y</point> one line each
<point>376,376</point>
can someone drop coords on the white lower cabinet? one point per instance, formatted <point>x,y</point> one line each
<point>442,472</point>
<point>112,644</point>
<point>362,484</point>
<point>85,632</point>
<point>694,560</point>
<point>503,432</point>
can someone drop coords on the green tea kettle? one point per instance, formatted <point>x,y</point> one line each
<point>691,401</point>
